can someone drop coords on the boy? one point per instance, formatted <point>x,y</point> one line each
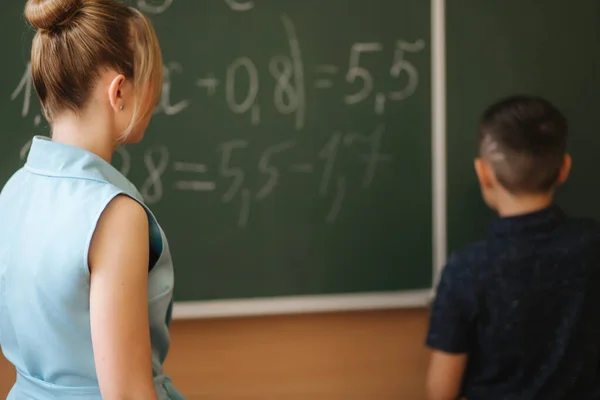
<point>517,316</point>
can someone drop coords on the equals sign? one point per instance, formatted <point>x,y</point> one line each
<point>196,186</point>
<point>325,69</point>
<point>192,185</point>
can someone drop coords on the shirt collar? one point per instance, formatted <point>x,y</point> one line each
<point>62,160</point>
<point>532,223</point>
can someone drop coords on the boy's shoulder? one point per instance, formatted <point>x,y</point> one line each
<point>582,234</point>
<point>584,224</point>
<point>467,264</point>
<point>469,255</point>
<point>470,260</point>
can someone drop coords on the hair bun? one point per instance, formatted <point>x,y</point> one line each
<point>48,14</point>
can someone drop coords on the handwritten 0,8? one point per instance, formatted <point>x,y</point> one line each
<point>157,160</point>
<point>287,71</point>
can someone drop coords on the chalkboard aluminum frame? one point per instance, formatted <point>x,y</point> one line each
<point>366,301</point>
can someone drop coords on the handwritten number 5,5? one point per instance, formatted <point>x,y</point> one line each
<point>264,166</point>
<point>356,72</point>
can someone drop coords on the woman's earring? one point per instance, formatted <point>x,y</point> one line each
<point>121,108</point>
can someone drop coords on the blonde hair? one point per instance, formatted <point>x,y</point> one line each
<point>77,39</point>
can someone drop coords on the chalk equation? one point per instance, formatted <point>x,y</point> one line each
<point>290,83</point>
<point>272,165</point>
<point>289,94</point>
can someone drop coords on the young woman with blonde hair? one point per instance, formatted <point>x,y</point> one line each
<point>86,277</point>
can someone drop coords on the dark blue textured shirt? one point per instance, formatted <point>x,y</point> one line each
<point>525,306</point>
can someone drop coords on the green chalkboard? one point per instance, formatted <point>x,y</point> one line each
<point>291,151</point>
<point>496,48</point>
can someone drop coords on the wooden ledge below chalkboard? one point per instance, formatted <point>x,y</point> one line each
<point>302,304</point>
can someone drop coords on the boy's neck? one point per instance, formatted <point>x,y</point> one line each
<point>511,205</point>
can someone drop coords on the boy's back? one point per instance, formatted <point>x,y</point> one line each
<point>517,316</point>
<point>525,306</point>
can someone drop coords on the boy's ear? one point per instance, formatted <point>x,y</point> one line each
<point>484,172</point>
<point>565,169</point>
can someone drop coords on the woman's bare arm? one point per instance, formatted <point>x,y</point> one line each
<point>118,261</point>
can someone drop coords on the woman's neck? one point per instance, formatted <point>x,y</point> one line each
<point>87,133</point>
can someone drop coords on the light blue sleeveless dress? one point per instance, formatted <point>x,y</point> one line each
<point>48,212</point>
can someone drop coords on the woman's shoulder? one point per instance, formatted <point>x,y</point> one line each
<point>12,182</point>
<point>123,222</point>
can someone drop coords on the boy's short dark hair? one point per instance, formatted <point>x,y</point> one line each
<point>524,138</point>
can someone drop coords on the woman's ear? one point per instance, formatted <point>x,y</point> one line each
<point>115,93</point>
<point>484,173</point>
<point>565,169</point>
